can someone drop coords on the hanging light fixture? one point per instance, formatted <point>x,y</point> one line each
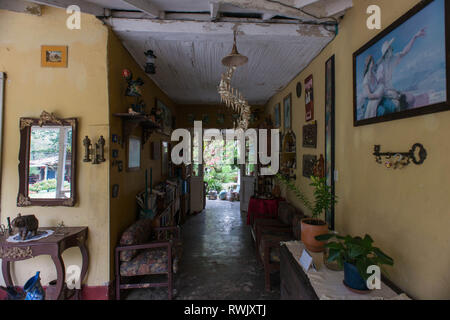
<point>232,98</point>
<point>150,62</point>
<point>234,59</point>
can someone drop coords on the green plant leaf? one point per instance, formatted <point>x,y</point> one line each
<point>382,257</point>
<point>356,251</point>
<point>335,245</point>
<point>333,255</point>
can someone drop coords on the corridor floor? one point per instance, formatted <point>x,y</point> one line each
<point>218,262</point>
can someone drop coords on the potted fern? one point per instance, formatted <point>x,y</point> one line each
<point>355,255</point>
<point>313,226</point>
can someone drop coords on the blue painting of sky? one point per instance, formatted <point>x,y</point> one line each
<point>423,69</point>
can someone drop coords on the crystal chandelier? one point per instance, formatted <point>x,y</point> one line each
<point>232,98</point>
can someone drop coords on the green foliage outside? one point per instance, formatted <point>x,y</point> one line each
<point>47,185</point>
<point>45,143</point>
<point>217,171</point>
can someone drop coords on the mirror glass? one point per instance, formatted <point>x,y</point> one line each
<point>50,162</point>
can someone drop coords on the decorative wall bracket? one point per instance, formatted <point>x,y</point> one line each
<point>94,153</point>
<point>396,160</point>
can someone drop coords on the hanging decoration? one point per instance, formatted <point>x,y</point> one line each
<point>232,98</point>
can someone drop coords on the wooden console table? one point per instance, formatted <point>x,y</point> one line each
<point>53,245</point>
<point>297,285</point>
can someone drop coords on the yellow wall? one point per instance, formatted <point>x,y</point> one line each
<point>405,211</point>
<point>77,91</point>
<point>123,208</point>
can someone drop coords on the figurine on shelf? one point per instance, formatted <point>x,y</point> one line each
<point>134,90</point>
<point>25,225</point>
<point>319,167</point>
<point>134,86</point>
<point>139,106</point>
<point>157,114</point>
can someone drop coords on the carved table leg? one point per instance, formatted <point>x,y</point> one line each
<point>61,275</point>
<point>6,270</point>
<point>85,256</point>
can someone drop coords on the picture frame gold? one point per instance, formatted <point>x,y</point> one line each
<point>54,56</point>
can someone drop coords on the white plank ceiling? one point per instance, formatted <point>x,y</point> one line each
<point>190,38</point>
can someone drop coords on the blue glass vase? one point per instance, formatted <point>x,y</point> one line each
<point>33,288</point>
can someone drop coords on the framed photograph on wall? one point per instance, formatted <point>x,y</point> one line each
<point>310,135</point>
<point>405,70</point>
<point>277,116</point>
<point>309,99</point>
<point>166,116</point>
<point>287,110</point>
<point>164,158</point>
<point>330,133</point>
<point>54,56</point>
<point>134,153</point>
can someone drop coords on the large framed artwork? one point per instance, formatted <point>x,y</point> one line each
<point>405,70</point>
<point>329,133</point>
<point>166,116</point>
<point>277,116</point>
<point>287,110</point>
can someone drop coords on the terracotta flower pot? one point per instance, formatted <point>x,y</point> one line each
<point>310,231</point>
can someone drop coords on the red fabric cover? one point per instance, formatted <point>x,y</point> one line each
<point>260,208</point>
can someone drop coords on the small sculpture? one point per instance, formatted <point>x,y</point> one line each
<point>26,224</point>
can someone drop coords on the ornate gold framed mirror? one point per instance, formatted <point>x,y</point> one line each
<point>47,161</point>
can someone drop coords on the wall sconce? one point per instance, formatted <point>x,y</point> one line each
<point>94,153</point>
<point>150,62</point>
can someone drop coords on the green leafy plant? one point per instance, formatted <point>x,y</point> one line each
<point>46,185</point>
<point>324,199</point>
<point>355,250</point>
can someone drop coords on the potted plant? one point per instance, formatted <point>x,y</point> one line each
<point>313,226</point>
<point>355,254</point>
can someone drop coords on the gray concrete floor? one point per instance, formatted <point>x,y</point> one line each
<point>219,260</point>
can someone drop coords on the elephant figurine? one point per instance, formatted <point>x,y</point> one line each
<point>26,224</point>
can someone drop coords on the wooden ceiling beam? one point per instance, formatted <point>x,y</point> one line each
<point>145,6</point>
<point>175,29</point>
<point>21,6</point>
<point>85,6</point>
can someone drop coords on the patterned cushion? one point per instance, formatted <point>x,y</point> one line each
<point>149,261</point>
<point>273,236</point>
<point>138,233</point>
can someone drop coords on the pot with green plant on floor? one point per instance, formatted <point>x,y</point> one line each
<point>324,200</point>
<point>356,255</point>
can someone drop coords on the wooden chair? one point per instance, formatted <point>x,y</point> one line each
<point>138,256</point>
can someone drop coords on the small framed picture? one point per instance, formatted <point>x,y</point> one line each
<point>277,116</point>
<point>114,138</point>
<point>287,108</point>
<point>115,191</point>
<point>134,153</point>
<point>115,153</point>
<point>54,56</point>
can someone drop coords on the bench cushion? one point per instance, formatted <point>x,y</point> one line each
<point>149,261</point>
<point>138,233</point>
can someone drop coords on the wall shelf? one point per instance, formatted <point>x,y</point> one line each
<point>131,121</point>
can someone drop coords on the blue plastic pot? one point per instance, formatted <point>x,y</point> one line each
<point>33,288</point>
<point>353,279</point>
